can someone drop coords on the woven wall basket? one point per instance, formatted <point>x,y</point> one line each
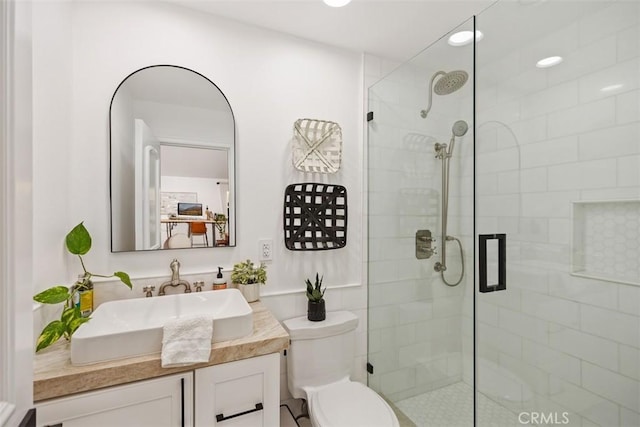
<point>317,146</point>
<point>315,217</point>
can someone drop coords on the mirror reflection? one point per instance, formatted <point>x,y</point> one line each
<point>172,162</point>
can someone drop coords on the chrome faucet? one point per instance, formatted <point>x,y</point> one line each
<point>148,290</point>
<point>175,279</point>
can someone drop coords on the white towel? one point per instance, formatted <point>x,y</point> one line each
<point>186,340</point>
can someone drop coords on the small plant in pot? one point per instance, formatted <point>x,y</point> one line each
<point>221,226</point>
<point>315,294</point>
<point>248,279</point>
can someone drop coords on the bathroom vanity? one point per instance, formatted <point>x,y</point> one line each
<point>238,386</point>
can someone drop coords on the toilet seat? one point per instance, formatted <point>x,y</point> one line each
<point>350,404</point>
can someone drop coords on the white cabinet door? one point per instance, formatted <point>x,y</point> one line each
<point>161,402</point>
<point>241,393</point>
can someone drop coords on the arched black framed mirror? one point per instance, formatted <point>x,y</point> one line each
<point>172,137</point>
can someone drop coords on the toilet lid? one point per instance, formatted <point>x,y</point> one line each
<point>350,404</point>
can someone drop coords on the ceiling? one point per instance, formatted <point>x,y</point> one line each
<point>392,29</point>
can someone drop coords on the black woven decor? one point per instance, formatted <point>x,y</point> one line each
<point>315,217</point>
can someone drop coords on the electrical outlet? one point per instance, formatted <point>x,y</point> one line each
<point>265,249</point>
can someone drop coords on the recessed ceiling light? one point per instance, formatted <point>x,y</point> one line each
<point>611,88</point>
<point>336,3</point>
<point>462,38</point>
<point>531,2</point>
<point>549,61</point>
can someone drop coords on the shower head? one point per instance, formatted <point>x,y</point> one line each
<point>447,84</point>
<point>460,128</point>
<point>451,82</point>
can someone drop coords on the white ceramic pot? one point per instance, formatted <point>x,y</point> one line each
<point>251,292</point>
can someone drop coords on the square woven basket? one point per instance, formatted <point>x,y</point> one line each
<point>317,146</point>
<point>315,217</point>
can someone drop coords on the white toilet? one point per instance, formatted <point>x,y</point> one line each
<point>319,363</point>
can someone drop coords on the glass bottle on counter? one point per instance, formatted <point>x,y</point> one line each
<point>83,298</point>
<point>219,282</point>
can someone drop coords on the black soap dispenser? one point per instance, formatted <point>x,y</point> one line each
<point>219,282</point>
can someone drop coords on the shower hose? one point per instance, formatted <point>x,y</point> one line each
<point>461,260</point>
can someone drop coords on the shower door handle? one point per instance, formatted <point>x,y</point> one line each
<point>502,262</point>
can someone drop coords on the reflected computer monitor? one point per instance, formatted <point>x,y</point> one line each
<point>190,209</point>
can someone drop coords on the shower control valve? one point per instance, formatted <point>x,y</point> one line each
<point>423,244</point>
<point>441,150</point>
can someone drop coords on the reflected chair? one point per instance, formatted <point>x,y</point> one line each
<point>199,229</point>
<point>178,241</point>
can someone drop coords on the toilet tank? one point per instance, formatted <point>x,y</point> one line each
<point>320,352</point>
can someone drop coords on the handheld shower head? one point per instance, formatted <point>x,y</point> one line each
<point>447,84</point>
<point>460,128</point>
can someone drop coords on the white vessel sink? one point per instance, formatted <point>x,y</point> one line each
<point>133,327</point>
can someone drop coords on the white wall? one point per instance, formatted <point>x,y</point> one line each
<point>270,80</point>
<point>261,69</point>
<point>52,135</point>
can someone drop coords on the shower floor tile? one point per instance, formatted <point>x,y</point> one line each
<point>452,406</point>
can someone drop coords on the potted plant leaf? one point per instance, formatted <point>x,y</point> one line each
<point>78,242</point>
<point>248,279</point>
<point>315,294</point>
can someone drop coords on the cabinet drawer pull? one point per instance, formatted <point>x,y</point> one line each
<point>182,402</point>
<point>221,417</point>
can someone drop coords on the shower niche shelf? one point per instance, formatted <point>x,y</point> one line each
<point>606,240</point>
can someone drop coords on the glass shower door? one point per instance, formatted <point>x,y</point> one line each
<point>542,191</point>
<point>420,306</point>
<point>557,161</point>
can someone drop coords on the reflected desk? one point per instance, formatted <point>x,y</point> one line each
<point>172,222</point>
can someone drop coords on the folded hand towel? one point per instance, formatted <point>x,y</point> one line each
<point>186,340</point>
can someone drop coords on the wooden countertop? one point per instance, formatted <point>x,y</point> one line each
<point>54,376</point>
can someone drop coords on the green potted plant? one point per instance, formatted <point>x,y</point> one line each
<point>221,225</point>
<point>315,294</point>
<point>78,242</point>
<point>248,279</point>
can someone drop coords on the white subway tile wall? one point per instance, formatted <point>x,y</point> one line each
<point>546,138</point>
<point>415,320</point>
<point>574,342</point>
